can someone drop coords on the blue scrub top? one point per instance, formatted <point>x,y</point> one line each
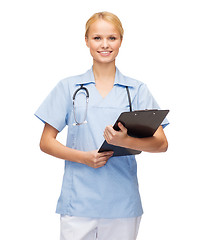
<point>111,191</point>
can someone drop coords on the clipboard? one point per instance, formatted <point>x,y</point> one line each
<point>140,124</point>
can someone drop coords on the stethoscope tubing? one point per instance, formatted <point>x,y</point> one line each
<point>87,100</point>
<point>86,110</point>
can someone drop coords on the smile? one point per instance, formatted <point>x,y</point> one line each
<point>104,53</point>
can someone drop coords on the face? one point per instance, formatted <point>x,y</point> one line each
<point>103,41</point>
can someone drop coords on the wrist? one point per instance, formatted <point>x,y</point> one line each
<point>126,141</point>
<point>79,156</point>
<point>86,157</point>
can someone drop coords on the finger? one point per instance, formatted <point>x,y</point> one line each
<point>121,126</point>
<point>103,160</point>
<point>109,133</point>
<point>107,136</point>
<point>109,129</point>
<point>106,154</point>
<point>101,164</point>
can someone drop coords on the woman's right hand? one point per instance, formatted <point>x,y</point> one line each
<point>50,145</point>
<point>97,160</point>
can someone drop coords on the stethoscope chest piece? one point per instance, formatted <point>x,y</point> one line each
<point>78,124</point>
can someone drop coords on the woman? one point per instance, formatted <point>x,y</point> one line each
<point>100,197</point>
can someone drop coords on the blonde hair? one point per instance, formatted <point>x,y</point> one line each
<point>107,16</point>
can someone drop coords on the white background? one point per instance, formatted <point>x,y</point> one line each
<point>164,45</point>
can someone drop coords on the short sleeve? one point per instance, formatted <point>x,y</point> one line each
<point>54,109</point>
<point>147,101</point>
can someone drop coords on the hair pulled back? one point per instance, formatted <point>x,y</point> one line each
<point>107,16</point>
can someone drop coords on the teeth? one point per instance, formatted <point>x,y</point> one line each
<point>105,52</point>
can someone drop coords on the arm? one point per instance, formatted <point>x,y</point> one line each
<point>156,143</point>
<point>50,145</point>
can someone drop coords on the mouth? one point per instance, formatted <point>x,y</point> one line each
<point>104,53</point>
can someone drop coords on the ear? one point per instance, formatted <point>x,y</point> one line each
<point>87,43</point>
<point>121,42</point>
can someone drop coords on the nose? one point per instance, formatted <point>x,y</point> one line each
<point>105,44</point>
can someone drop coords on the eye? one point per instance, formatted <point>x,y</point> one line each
<point>96,38</point>
<point>112,38</point>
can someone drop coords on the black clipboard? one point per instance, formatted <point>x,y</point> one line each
<point>140,124</point>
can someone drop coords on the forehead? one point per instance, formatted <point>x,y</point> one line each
<point>103,27</point>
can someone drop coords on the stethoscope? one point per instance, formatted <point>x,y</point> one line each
<point>87,99</point>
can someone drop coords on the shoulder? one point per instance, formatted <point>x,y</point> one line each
<point>67,85</point>
<point>71,82</point>
<point>137,88</point>
<point>132,82</point>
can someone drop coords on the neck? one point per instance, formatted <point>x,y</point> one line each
<point>103,71</point>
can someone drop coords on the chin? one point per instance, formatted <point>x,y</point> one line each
<point>104,60</point>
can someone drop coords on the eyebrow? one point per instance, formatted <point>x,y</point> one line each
<point>100,34</point>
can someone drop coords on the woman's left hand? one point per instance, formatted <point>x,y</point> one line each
<point>116,137</point>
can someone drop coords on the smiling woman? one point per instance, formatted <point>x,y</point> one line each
<point>104,41</point>
<point>100,194</point>
<point>103,36</point>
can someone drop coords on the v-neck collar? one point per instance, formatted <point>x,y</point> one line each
<point>120,79</point>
